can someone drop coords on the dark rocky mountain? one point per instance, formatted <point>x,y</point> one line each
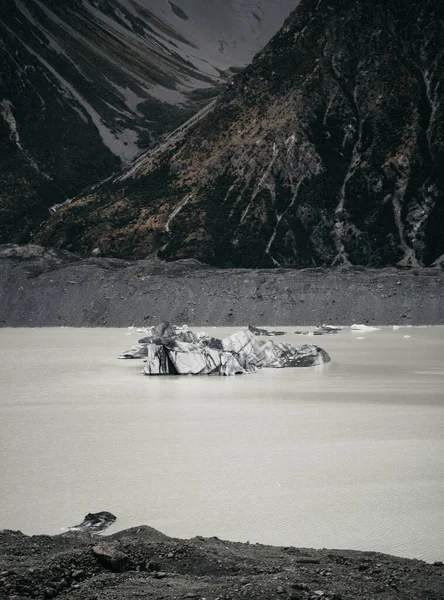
<point>327,150</point>
<point>86,84</point>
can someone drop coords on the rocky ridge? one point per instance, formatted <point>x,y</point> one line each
<point>144,563</point>
<point>85,85</point>
<point>327,150</point>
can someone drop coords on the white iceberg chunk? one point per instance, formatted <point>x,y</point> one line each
<point>364,328</point>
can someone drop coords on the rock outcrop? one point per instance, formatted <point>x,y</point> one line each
<point>327,150</point>
<point>240,353</point>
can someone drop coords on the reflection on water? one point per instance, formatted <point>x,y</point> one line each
<point>346,455</point>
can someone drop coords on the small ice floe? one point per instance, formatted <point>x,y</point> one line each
<point>179,328</point>
<point>328,329</point>
<point>264,332</point>
<point>407,337</point>
<point>137,351</point>
<point>95,522</point>
<point>364,328</point>
<point>396,327</point>
<point>360,338</point>
<point>148,330</point>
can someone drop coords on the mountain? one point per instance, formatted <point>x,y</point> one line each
<point>327,150</point>
<point>85,85</point>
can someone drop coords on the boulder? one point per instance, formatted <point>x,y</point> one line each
<point>111,557</point>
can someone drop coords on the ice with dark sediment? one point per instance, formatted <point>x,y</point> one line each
<point>328,329</point>
<point>264,332</point>
<point>186,353</point>
<point>265,353</point>
<point>95,522</point>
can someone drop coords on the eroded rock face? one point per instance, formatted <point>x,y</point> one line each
<point>190,354</point>
<point>327,150</point>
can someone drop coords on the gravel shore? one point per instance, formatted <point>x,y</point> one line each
<point>143,563</point>
<point>42,288</point>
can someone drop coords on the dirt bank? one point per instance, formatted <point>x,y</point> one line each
<point>143,563</point>
<point>47,288</point>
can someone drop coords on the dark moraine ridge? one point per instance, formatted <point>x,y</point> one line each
<point>143,563</point>
<point>43,287</point>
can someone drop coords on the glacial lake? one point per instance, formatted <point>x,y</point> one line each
<point>348,455</point>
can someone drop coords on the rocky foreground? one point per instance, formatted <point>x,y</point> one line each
<point>41,287</point>
<point>144,563</point>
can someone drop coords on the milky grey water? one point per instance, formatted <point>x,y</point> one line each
<point>350,455</point>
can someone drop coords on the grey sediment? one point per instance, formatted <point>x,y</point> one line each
<point>49,288</point>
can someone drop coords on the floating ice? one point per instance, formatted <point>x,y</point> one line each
<point>364,328</point>
<point>95,522</point>
<point>167,352</point>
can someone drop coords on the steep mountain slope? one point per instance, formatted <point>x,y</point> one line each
<point>328,149</point>
<point>85,84</point>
